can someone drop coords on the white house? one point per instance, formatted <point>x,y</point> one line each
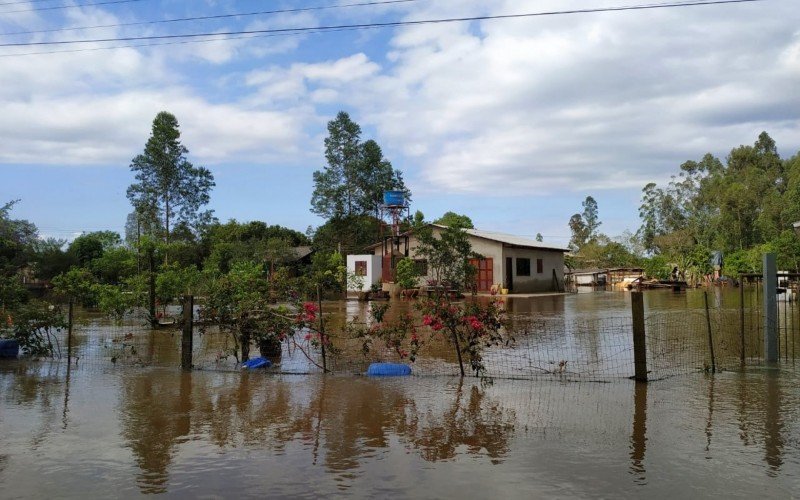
<point>519,264</point>
<point>367,267</point>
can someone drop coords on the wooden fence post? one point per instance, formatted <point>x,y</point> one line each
<point>710,337</point>
<point>186,338</point>
<point>69,330</point>
<point>741,318</point>
<point>639,344</point>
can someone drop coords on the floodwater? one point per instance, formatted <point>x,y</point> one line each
<point>110,430</point>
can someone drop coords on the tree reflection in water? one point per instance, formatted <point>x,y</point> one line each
<point>341,421</point>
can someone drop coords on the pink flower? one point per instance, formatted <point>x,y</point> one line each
<point>308,336</point>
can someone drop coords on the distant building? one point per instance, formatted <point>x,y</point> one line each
<point>519,264</point>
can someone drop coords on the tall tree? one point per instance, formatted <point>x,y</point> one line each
<point>168,188</point>
<point>356,175</point>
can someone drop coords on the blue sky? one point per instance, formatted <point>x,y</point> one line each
<point>512,122</point>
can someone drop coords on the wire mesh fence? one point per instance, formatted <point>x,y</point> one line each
<point>678,341</point>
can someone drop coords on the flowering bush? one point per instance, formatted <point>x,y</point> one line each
<point>470,327</point>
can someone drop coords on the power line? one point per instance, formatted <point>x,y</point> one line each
<point>380,25</point>
<point>159,44</point>
<point>60,7</point>
<point>212,17</point>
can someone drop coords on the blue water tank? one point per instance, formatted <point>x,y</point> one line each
<point>394,198</point>
<point>9,349</point>
<point>388,370</point>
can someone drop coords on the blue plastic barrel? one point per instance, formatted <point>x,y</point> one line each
<point>9,348</point>
<point>257,363</point>
<point>388,370</point>
<point>394,198</point>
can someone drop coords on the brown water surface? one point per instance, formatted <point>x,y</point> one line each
<point>103,429</point>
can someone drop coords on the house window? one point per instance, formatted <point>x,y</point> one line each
<point>539,266</point>
<point>523,267</point>
<point>361,268</point>
<point>421,267</point>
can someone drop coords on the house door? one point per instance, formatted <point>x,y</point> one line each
<point>387,273</point>
<point>509,273</point>
<point>485,276</point>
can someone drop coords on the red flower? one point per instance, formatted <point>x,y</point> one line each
<point>308,336</point>
<point>427,320</point>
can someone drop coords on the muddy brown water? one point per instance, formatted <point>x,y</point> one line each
<point>109,430</point>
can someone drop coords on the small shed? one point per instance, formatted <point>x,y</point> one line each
<point>368,267</point>
<point>589,277</point>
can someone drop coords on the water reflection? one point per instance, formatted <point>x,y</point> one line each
<point>639,434</point>
<point>161,430</point>
<point>342,422</point>
<point>773,422</point>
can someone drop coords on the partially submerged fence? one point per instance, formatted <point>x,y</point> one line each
<point>675,342</point>
<point>642,344</point>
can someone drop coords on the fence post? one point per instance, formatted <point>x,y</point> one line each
<point>710,336</point>
<point>69,330</point>
<point>322,338</point>
<point>770,281</point>
<point>639,345</point>
<point>186,339</point>
<point>741,317</point>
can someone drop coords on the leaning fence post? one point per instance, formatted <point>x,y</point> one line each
<point>710,336</point>
<point>770,281</point>
<point>639,345</point>
<point>186,339</point>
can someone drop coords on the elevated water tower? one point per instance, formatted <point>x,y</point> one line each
<point>395,246</point>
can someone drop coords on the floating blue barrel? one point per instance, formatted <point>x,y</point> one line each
<point>388,370</point>
<point>394,198</point>
<point>257,363</point>
<point>9,348</point>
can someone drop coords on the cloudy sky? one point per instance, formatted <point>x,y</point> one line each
<point>512,121</point>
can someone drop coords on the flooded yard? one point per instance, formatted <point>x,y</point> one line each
<point>129,431</point>
<point>103,428</point>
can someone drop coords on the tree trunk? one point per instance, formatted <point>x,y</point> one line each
<point>458,351</point>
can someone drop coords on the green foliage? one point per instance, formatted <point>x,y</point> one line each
<point>328,271</point>
<point>174,281</point>
<point>12,293</point>
<point>76,285</point>
<point>352,234</point>
<point>455,220</point>
<point>406,274</point>
<point>17,240</point>
<point>115,265</point>
<point>356,175</point>
<point>34,325</point>
<point>657,267</point>
<point>114,300</point>
<point>51,258</point>
<point>447,254</point>
<point>584,225</point>
<point>168,188</point>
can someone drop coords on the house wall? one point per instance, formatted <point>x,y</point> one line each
<point>552,259</point>
<point>374,267</point>
<point>536,282</point>
<point>486,248</point>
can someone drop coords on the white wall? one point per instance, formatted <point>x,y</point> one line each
<point>374,269</point>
